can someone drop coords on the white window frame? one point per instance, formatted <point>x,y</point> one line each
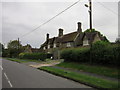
<point>54,45</point>
<point>85,43</point>
<point>48,46</point>
<point>68,44</point>
<point>44,48</point>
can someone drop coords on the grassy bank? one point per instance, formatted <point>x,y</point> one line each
<point>86,79</point>
<point>110,72</point>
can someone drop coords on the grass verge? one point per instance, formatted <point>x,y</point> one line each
<point>85,79</point>
<point>47,61</point>
<point>22,61</point>
<point>105,71</point>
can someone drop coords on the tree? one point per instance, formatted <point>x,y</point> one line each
<point>1,49</point>
<point>14,48</point>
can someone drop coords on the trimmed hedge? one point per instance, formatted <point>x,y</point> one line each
<point>77,54</point>
<point>36,56</point>
<point>102,53</point>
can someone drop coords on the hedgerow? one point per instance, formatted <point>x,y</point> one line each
<point>36,56</point>
<point>77,54</point>
<point>101,52</point>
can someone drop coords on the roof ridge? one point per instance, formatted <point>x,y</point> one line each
<point>70,33</point>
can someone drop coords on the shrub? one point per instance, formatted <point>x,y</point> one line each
<point>101,53</point>
<point>49,55</point>
<point>104,53</point>
<point>36,56</point>
<point>77,55</point>
<point>21,55</point>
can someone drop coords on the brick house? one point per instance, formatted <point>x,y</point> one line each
<point>70,40</point>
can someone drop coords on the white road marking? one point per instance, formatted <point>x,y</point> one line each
<point>1,67</point>
<point>6,76</point>
<point>10,84</point>
<point>8,80</point>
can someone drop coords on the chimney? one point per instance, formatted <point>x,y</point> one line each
<point>60,32</point>
<point>79,27</point>
<point>47,36</point>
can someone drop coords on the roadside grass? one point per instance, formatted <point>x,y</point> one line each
<point>47,61</point>
<point>23,60</point>
<point>105,71</point>
<point>82,78</point>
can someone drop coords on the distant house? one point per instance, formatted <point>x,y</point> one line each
<point>29,49</point>
<point>74,39</point>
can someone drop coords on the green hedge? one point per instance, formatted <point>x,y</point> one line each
<point>105,53</point>
<point>36,56</point>
<point>77,55</point>
<point>101,52</point>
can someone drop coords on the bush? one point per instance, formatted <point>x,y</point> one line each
<point>77,55</point>
<point>36,56</point>
<point>101,53</point>
<point>104,53</point>
<point>49,55</point>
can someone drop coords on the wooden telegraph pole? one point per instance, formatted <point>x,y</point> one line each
<point>90,16</point>
<point>90,13</point>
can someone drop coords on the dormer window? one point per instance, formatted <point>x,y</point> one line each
<point>68,44</point>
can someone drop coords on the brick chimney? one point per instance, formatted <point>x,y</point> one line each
<point>47,36</point>
<point>79,27</point>
<point>60,32</point>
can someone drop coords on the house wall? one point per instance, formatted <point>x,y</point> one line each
<point>97,38</point>
<point>85,41</point>
<point>77,41</point>
<point>28,50</point>
<point>65,45</point>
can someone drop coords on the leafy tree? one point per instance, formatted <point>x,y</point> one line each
<point>1,49</point>
<point>14,48</point>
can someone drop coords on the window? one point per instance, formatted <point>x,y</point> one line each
<point>48,46</point>
<point>54,45</point>
<point>44,48</point>
<point>68,44</point>
<point>85,43</point>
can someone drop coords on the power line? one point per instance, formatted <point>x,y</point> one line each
<point>50,19</point>
<point>108,8</point>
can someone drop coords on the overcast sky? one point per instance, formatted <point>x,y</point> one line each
<point>19,18</point>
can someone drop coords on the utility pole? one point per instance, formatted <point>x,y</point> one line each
<point>90,12</point>
<point>90,16</point>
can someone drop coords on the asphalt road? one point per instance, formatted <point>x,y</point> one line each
<point>0,73</point>
<point>15,75</point>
